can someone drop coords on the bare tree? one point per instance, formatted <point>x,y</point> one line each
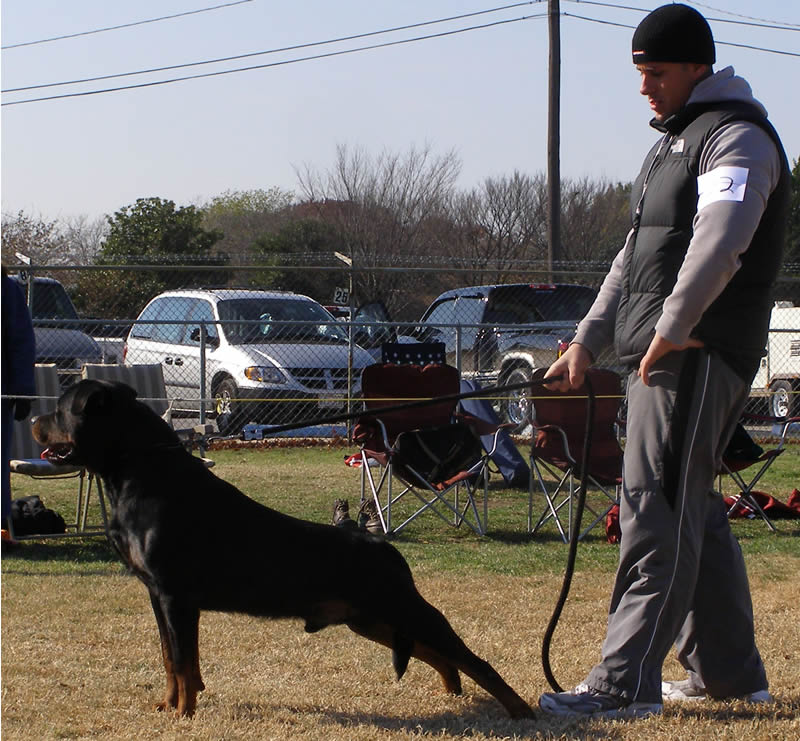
<point>42,241</point>
<point>502,222</point>
<point>388,209</point>
<point>83,237</point>
<point>595,218</point>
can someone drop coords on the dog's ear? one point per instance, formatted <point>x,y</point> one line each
<point>125,392</point>
<point>89,395</point>
<point>95,396</point>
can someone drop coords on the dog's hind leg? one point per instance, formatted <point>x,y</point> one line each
<point>439,645</point>
<point>182,660</point>
<point>402,647</point>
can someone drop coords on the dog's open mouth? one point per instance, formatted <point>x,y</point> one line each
<point>59,453</point>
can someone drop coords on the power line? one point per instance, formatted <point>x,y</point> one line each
<point>272,51</point>
<point>342,52</point>
<point>276,64</point>
<point>763,22</point>
<point>123,25</point>
<point>716,41</point>
<point>749,17</point>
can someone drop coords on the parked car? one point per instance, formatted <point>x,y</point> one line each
<point>56,326</point>
<point>271,356</point>
<point>501,333</point>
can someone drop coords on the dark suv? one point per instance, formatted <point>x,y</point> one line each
<point>56,327</point>
<point>501,333</point>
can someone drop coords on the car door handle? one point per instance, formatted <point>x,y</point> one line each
<point>168,361</point>
<point>178,361</point>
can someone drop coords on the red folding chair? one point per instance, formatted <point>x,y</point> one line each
<point>734,463</point>
<point>559,430</point>
<point>429,454</point>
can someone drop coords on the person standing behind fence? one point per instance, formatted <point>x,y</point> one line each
<point>687,302</point>
<point>18,359</point>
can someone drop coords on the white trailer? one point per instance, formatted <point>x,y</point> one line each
<point>778,377</point>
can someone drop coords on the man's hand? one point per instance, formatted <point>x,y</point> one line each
<point>659,347</point>
<point>571,366</point>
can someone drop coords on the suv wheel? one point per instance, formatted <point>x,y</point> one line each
<point>229,411</point>
<point>517,406</point>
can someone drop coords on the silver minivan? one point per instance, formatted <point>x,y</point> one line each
<point>271,357</point>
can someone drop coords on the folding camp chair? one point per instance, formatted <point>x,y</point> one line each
<point>559,430</point>
<point>736,459</point>
<point>26,460</point>
<point>429,452</point>
<point>147,379</point>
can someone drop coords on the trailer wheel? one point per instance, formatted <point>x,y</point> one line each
<point>781,399</point>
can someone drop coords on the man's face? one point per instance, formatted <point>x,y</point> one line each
<point>668,85</point>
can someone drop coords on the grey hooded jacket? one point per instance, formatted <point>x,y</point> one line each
<point>708,210</point>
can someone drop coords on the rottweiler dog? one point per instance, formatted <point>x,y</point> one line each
<point>167,510</point>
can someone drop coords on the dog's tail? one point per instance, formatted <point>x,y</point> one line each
<point>402,648</point>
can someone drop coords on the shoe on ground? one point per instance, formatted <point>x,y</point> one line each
<point>683,690</point>
<point>341,514</point>
<point>584,701</point>
<point>368,518</point>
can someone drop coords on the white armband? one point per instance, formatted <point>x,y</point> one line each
<point>721,184</point>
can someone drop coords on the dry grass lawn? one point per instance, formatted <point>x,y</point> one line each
<point>81,660</point>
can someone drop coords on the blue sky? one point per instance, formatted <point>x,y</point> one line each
<point>481,93</point>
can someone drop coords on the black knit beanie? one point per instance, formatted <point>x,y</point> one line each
<point>673,33</point>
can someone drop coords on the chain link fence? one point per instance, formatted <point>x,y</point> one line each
<point>247,354</point>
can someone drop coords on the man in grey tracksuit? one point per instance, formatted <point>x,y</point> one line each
<point>687,303</point>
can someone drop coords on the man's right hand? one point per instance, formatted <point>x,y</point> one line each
<point>571,366</point>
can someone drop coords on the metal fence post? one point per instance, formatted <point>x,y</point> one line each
<point>202,372</point>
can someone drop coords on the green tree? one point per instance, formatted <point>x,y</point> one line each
<point>245,215</point>
<point>151,232</point>
<point>306,241</point>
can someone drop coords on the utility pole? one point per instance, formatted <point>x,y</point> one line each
<point>553,139</point>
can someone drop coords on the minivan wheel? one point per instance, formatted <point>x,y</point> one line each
<point>228,409</point>
<point>517,406</point>
<point>780,399</point>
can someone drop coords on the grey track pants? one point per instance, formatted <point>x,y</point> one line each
<point>681,578</point>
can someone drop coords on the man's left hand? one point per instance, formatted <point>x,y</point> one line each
<point>659,347</point>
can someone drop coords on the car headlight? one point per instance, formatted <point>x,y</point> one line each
<point>264,374</point>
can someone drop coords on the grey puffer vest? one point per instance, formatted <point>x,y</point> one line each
<point>663,205</point>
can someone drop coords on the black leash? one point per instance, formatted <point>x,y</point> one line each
<point>573,540</point>
<point>346,416</point>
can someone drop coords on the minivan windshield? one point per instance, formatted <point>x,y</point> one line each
<point>252,321</point>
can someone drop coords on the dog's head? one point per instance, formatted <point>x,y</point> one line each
<point>90,421</point>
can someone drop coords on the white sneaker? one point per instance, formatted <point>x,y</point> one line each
<point>684,691</point>
<point>588,702</point>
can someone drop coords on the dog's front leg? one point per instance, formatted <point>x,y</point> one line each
<point>183,672</point>
<point>171,695</point>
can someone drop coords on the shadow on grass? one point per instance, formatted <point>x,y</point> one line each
<point>485,717</point>
<point>73,550</point>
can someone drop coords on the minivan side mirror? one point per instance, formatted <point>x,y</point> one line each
<point>212,340</point>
